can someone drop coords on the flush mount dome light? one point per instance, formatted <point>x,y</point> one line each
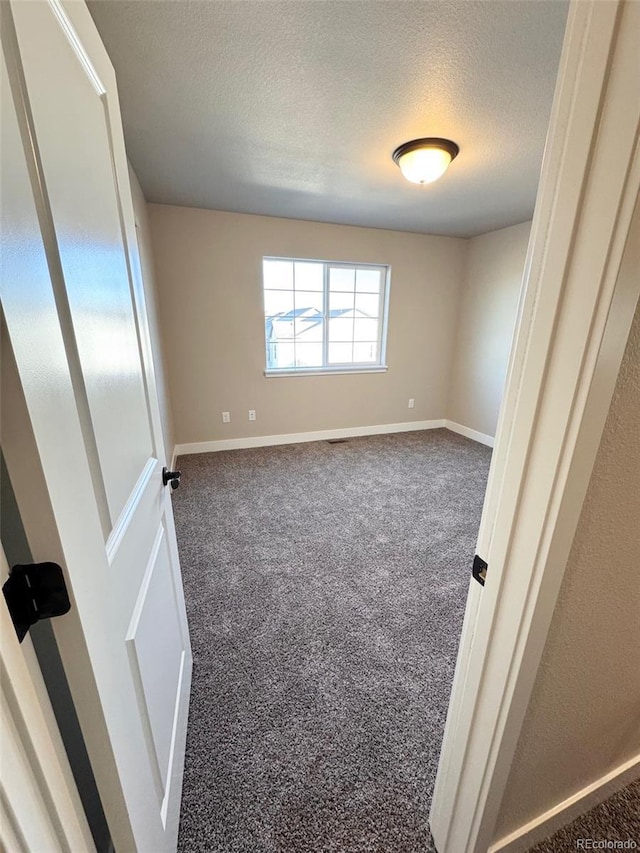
<point>422,161</point>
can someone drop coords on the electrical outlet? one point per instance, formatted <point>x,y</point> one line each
<point>252,414</point>
<point>412,403</point>
<point>226,417</point>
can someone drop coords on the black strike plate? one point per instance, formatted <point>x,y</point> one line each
<point>479,570</point>
<point>33,592</point>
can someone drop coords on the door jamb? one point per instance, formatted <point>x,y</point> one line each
<point>573,322</point>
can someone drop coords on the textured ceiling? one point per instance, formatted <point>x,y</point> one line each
<point>292,108</point>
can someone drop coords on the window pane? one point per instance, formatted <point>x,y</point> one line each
<point>341,329</point>
<point>365,353</point>
<point>340,353</point>
<point>340,302</point>
<point>309,276</point>
<point>308,300</point>
<point>365,330</point>
<point>280,355</point>
<point>368,281</point>
<point>277,302</point>
<point>279,328</point>
<point>308,327</point>
<point>278,275</point>
<point>309,354</point>
<point>341,279</point>
<point>367,303</point>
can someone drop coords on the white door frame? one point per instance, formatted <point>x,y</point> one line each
<point>579,297</point>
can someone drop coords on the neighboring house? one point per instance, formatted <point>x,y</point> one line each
<point>294,338</point>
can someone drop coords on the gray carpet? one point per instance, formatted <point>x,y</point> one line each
<point>325,587</point>
<point>617,819</point>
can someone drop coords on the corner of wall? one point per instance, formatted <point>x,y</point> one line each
<point>487,309</point>
<point>149,283</point>
<point>457,342</point>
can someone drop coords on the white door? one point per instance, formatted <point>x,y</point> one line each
<point>74,311</point>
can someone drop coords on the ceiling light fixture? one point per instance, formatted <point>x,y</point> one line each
<point>422,161</point>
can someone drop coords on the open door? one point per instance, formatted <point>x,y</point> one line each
<point>581,286</point>
<point>87,463</point>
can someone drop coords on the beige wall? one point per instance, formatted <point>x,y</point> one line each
<point>150,289</point>
<point>492,280</point>
<point>209,276</point>
<point>583,719</point>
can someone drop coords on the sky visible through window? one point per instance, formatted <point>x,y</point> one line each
<point>322,315</point>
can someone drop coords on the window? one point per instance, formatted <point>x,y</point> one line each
<point>322,316</point>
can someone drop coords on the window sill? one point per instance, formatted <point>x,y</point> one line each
<point>325,371</point>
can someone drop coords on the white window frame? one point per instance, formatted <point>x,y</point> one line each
<point>339,368</point>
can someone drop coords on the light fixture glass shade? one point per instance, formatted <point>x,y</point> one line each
<point>425,160</point>
<point>424,165</point>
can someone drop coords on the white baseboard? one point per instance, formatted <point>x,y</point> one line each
<point>299,437</point>
<point>567,811</point>
<point>470,433</point>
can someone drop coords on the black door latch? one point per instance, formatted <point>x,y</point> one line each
<point>33,592</point>
<point>479,569</point>
<point>172,477</point>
